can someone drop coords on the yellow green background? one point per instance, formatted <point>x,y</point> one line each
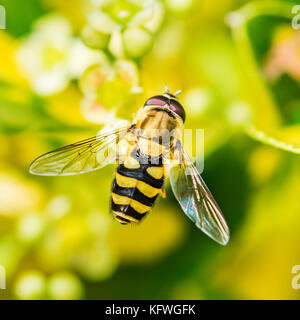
<point>238,66</point>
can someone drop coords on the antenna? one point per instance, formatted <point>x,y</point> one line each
<point>177,93</point>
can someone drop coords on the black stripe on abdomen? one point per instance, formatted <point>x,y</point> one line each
<point>127,210</point>
<point>141,174</point>
<point>133,193</point>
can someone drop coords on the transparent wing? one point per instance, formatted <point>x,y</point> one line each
<point>80,157</point>
<point>196,200</point>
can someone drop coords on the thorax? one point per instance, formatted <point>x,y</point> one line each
<point>157,130</point>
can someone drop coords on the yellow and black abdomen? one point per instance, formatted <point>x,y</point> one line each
<point>136,186</point>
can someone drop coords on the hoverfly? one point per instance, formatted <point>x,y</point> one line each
<point>143,168</point>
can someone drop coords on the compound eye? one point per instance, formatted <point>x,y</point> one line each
<point>157,101</point>
<point>176,107</point>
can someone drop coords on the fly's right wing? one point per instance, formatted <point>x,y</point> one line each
<point>80,157</point>
<point>196,200</point>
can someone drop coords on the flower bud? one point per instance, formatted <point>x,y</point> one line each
<point>137,42</point>
<point>116,46</point>
<point>102,22</point>
<point>93,38</point>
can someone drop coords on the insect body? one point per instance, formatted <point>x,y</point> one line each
<point>154,151</point>
<point>140,178</point>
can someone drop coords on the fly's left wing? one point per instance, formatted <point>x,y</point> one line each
<point>196,200</point>
<point>80,157</point>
